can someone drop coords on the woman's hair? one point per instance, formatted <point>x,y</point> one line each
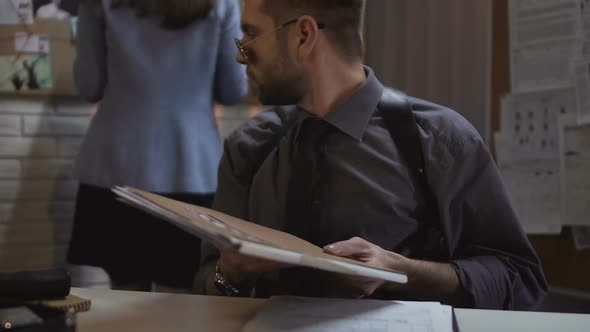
<point>176,14</point>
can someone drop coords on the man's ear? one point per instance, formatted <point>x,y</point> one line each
<point>307,35</point>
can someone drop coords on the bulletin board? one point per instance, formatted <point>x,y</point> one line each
<point>37,55</point>
<point>564,265</point>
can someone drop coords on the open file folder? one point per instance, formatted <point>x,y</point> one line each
<point>229,233</point>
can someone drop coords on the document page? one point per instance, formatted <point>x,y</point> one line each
<point>529,124</point>
<point>581,237</point>
<point>331,315</point>
<point>582,74</point>
<point>534,189</point>
<point>544,38</point>
<point>538,21</point>
<point>575,163</point>
<point>585,5</point>
<point>14,12</point>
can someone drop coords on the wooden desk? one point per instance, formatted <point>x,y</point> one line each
<point>135,311</point>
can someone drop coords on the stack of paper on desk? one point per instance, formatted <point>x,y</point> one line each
<point>319,315</point>
<point>248,238</point>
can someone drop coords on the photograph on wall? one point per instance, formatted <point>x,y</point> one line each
<point>25,73</point>
<point>55,9</point>
<point>16,12</point>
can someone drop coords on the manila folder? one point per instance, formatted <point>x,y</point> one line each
<point>229,233</point>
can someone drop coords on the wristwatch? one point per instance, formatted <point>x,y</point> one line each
<point>223,285</point>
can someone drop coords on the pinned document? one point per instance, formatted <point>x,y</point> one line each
<point>25,72</point>
<point>25,42</point>
<point>533,187</point>
<point>575,163</point>
<point>544,38</point>
<point>13,12</point>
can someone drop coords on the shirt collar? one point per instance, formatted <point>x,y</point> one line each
<point>352,116</point>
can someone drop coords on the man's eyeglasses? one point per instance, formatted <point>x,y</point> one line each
<point>241,45</point>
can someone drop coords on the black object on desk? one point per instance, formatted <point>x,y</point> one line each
<point>17,288</point>
<point>33,318</point>
<point>34,285</point>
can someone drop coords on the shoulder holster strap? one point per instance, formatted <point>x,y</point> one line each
<point>396,110</point>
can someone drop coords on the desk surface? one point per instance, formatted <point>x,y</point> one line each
<point>136,311</point>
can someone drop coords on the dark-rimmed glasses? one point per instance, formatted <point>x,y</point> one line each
<point>241,45</point>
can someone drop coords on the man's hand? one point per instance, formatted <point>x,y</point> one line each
<point>242,270</point>
<point>364,251</point>
<point>428,281</point>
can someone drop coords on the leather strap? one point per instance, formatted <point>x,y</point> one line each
<point>397,112</point>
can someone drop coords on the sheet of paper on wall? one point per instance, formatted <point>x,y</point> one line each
<point>534,189</point>
<point>319,315</point>
<point>14,12</point>
<point>529,123</point>
<point>538,21</point>
<point>581,237</point>
<point>25,72</point>
<point>543,66</point>
<point>545,36</point>
<point>582,74</point>
<point>506,150</point>
<point>585,5</point>
<point>25,42</point>
<point>575,162</point>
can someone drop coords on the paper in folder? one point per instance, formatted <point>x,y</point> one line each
<point>229,233</point>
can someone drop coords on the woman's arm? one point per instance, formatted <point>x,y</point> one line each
<point>90,67</point>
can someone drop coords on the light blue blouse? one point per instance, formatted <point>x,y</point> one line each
<point>155,128</point>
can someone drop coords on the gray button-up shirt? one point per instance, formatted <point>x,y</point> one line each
<point>367,190</point>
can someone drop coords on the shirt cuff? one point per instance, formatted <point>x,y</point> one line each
<point>200,284</point>
<point>461,268</point>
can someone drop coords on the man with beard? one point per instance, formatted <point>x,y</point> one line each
<point>329,171</point>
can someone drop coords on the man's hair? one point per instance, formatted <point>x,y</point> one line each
<point>342,20</point>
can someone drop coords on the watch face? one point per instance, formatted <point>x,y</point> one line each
<point>220,287</point>
<point>224,288</point>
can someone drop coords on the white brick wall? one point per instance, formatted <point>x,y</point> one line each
<point>23,147</point>
<point>39,141</point>
<point>9,125</point>
<point>46,168</point>
<point>54,125</point>
<point>230,118</point>
<point>68,147</point>
<point>34,211</point>
<point>25,106</point>
<point>10,169</point>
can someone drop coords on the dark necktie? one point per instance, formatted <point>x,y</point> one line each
<point>302,206</point>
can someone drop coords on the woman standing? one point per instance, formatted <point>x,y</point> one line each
<point>156,67</point>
